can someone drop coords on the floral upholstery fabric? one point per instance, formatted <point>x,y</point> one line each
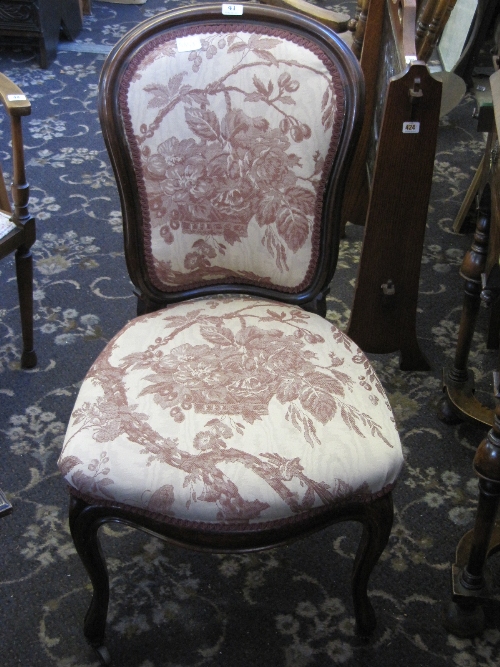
<point>231,411</point>
<point>231,142</point>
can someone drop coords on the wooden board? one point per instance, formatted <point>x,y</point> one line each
<point>399,166</point>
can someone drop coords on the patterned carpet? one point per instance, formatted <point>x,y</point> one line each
<point>289,607</point>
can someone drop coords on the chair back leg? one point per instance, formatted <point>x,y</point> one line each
<point>24,272</point>
<point>85,521</point>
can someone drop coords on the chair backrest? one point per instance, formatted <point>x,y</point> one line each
<point>230,137</point>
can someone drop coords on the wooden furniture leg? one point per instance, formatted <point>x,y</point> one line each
<point>483,94</point>
<point>458,383</point>
<point>24,274</point>
<point>86,6</point>
<point>471,583</point>
<point>71,18</point>
<point>471,194</point>
<point>431,24</point>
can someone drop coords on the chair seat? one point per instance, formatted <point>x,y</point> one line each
<point>6,224</point>
<point>277,426</point>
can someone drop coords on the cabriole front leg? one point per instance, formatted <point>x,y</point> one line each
<point>85,521</point>
<point>377,522</point>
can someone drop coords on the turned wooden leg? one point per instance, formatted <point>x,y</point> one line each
<point>458,383</point>
<point>359,27</point>
<point>465,616</point>
<point>377,525</point>
<point>24,272</point>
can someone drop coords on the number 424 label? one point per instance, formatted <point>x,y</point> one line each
<point>411,128</point>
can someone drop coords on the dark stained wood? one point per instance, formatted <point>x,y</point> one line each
<point>458,382</point>
<point>357,191</point>
<point>22,238</point>
<point>470,583</point>
<point>481,272</point>
<point>389,194</point>
<point>86,519</point>
<point>430,25</point>
<point>4,197</point>
<point>360,27</point>
<point>395,226</point>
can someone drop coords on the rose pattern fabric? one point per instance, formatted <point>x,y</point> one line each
<point>294,600</point>
<point>231,141</point>
<point>231,410</point>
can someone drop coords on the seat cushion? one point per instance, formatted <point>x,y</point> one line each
<point>6,224</point>
<point>232,411</point>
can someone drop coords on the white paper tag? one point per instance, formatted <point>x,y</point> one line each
<point>411,128</point>
<point>232,10</point>
<point>16,98</point>
<point>189,43</point>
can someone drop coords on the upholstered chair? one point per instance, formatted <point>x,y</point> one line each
<point>230,415</point>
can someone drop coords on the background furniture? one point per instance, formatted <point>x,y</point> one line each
<point>17,226</point>
<point>389,185</point>
<point>40,22</point>
<point>335,20</point>
<point>238,453</point>
<point>472,584</point>
<point>480,268</point>
<point>468,52</point>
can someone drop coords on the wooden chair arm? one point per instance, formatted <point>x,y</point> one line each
<point>14,100</point>
<point>16,105</point>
